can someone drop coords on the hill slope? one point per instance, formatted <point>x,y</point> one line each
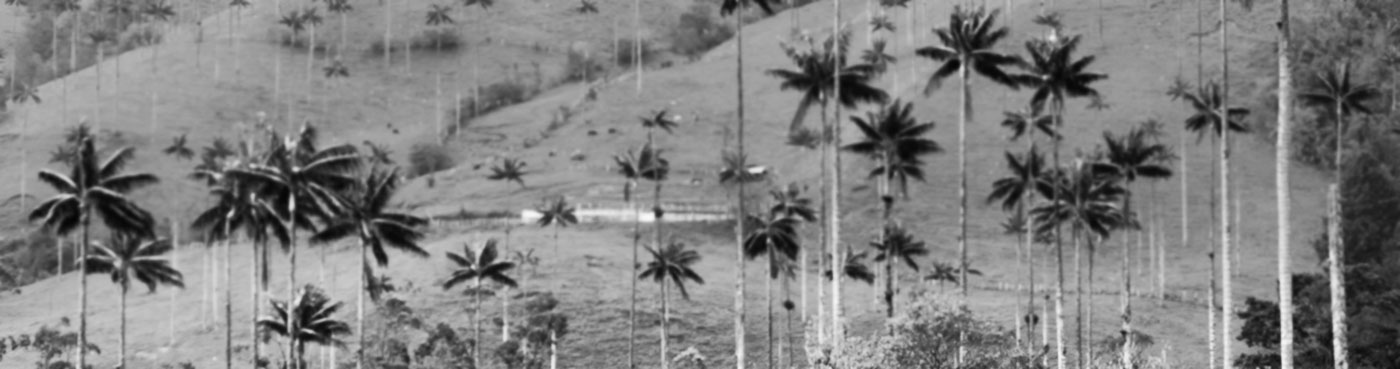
<point>1142,42</point>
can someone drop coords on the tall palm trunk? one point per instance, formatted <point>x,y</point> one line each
<point>768,300</point>
<point>1282,157</point>
<point>1210,310</point>
<point>174,264</point>
<point>1079,304</point>
<point>388,28</point>
<point>833,133</point>
<point>1227,290</point>
<point>256,298</point>
<point>1127,304</point>
<point>291,324</point>
<point>360,308</point>
<point>228,299</point>
<point>1088,328</point>
<point>632,275</point>
<point>476,320</point>
<point>665,317</point>
<point>1336,265</point>
<point>82,284</point>
<point>121,353</point>
<point>887,201</point>
<point>1027,240</point>
<point>740,212</point>
<point>1059,252</point>
<point>964,114</point>
<point>828,256</point>
<point>637,59</point>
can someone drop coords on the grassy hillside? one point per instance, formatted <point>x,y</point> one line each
<point>1143,48</point>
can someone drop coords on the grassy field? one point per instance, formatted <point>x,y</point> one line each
<point>1144,46</point>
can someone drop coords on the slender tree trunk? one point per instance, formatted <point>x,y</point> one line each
<point>256,298</point>
<point>388,28</point>
<point>121,353</point>
<point>82,286</point>
<point>768,300</point>
<point>665,333</point>
<point>360,308</point>
<point>1060,361</point>
<point>476,321</point>
<point>833,133</point>
<point>1282,158</point>
<point>1211,308</point>
<point>1088,328</point>
<point>1127,307</point>
<point>964,114</point>
<point>1079,303</point>
<point>637,59</point>
<point>553,349</point>
<point>1336,266</point>
<point>739,212</point>
<point>632,275</point>
<point>228,302</point>
<point>174,264</point>
<point>291,324</point>
<point>1227,287</point>
<point>887,201</point>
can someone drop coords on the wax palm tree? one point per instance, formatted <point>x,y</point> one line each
<point>1205,119</point>
<point>1334,90</point>
<point>294,172</point>
<point>439,15</point>
<point>479,265</point>
<point>894,245</point>
<point>634,168</point>
<point>854,268</point>
<point>1028,121</point>
<point>947,273</point>
<point>1086,200</point>
<point>309,319</point>
<point>788,202</point>
<point>377,228</point>
<point>674,263</point>
<point>178,149</point>
<point>816,75</point>
<point>968,43</point>
<point>1282,160</point>
<point>157,11</point>
<point>738,170</point>
<point>93,188</point>
<point>660,119</point>
<point>128,257</point>
<point>341,8</point>
<point>557,213</point>
<point>1014,192</point>
<point>510,170</point>
<point>237,207</point>
<point>895,139</point>
<point>1132,156</point>
<point>877,57</point>
<point>775,237</point>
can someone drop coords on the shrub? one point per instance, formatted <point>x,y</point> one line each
<point>698,32</point>
<point>441,39</point>
<point>444,348</point>
<point>140,35</point>
<point>429,158</point>
<point>626,52</point>
<point>495,96</point>
<point>580,66</point>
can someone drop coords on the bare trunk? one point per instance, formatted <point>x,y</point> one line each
<point>740,212</point>
<point>1211,308</point>
<point>637,58</point>
<point>82,287</point>
<point>292,277</point>
<point>1060,360</point>
<point>476,321</point>
<point>388,29</point>
<point>360,304</point>
<point>1088,329</point>
<point>1336,267</point>
<point>228,303</point>
<point>121,353</point>
<point>1127,304</point>
<point>256,298</point>
<point>632,275</point>
<point>964,114</point>
<point>833,199</point>
<point>174,264</point>
<point>1282,158</point>
<point>768,300</point>
<point>1226,291</point>
<point>665,318</point>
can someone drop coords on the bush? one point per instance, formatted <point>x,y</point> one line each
<point>429,158</point>
<point>698,32</point>
<point>581,67</point>
<point>626,51</point>
<point>495,96</point>
<point>441,39</point>
<point>140,35</point>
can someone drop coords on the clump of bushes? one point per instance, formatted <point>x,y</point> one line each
<point>580,66</point>
<point>441,39</point>
<point>626,52</point>
<point>698,31</point>
<point>425,158</point>
<point>494,96</point>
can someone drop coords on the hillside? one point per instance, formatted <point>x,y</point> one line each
<point>1144,44</point>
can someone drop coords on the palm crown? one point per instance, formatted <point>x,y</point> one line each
<point>788,202</point>
<point>95,186</point>
<point>1030,120</point>
<point>968,41</point>
<point>1207,102</point>
<point>368,217</point>
<point>900,245</point>
<point>484,264</point>
<point>1055,74</point>
<point>672,262</point>
<point>179,149</point>
<point>1133,157</point>
<point>773,236</point>
<point>557,213</point>
<point>854,268</point>
<point>892,136</point>
<point>128,257</point>
<point>728,7</point>
<point>661,119</point>
<point>510,170</point>
<point>1335,89</point>
<point>1087,200</point>
<point>439,14</point>
<point>1025,170</point>
<point>737,169</point>
<point>311,314</point>
<point>815,78</point>
<point>295,172</point>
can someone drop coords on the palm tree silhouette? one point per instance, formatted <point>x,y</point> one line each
<point>559,214</point>
<point>635,168</point>
<point>368,218</point>
<point>178,149</point>
<point>93,187</point>
<point>775,237</point>
<point>671,262</point>
<point>341,8</point>
<point>788,202</point>
<point>309,319</point>
<point>968,43</point>
<point>296,171</point>
<point>1015,192</point>
<point>894,245</point>
<point>1206,103</point>
<point>510,170</point>
<point>162,12</point>
<point>738,170</point>
<point>439,15</point>
<point>877,56</point>
<point>129,257</point>
<point>896,140</point>
<point>1131,156</point>
<point>1086,199</point>
<point>946,273</point>
<point>1335,90</point>
<point>586,7</point>
<point>476,266</point>
<point>660,119</point>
